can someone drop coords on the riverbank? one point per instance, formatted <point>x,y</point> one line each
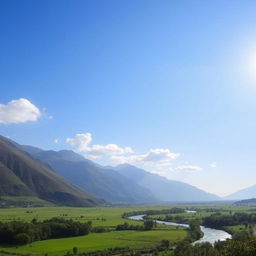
<point>210,235</point>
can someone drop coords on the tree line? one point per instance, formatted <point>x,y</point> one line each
<point>20,233</point>
<point>147,225</point>
<point>244,246</point>
<point>153,212</point>
<point>220,220</point>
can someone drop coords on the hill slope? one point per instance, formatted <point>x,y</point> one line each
<point>243,194</point>
<point>102,182</point>
<point>164,189</point>
<point>251,201</point>
<point>22,175</point>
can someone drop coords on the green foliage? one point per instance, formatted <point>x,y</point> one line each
<point>195,230</point>
<point>22,238</point>
<point>148,224</point>
<point>221,220</point>
<point>127,226</point>
<point>75,250</point>
<point>165,243</point>
<point>20,233</point>
<point>153,212</point>
<point>227,248</point>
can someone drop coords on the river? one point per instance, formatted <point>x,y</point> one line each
<point>211,235</point>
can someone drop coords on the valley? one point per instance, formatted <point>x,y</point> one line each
<point>110,218</point>
<point>127,128</point>
<point>60,203</point>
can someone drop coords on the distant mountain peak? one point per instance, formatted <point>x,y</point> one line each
<point>249,192</point>
<point>163,188</point>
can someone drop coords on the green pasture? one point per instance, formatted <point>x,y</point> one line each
<point>93,242</point>
<point>103,216</point>
<point>100,216</point>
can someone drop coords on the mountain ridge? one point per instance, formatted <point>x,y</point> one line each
<point>22,175</point>
<point>241,194</point>
<point>121,184</point>
<point>161,187</point>
<point>98,180</point>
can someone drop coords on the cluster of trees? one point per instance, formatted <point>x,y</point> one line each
<point>220,220</point>
<point>19,233</point>
<point>154,212</point>
<point>174,218</point>
<point>216,210</point>
<point>234,247</point>
<point>195,232</point>
<point>147,225</point>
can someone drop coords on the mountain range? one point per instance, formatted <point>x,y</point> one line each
<point>121,184</point>
<point>67,178</point>
<point>97,180</point>
<point>164,189</point>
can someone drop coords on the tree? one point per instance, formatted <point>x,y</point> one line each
<point>22,239</point>
<point>75,250</point>
<point>165,243</point>
<point>148,224</point>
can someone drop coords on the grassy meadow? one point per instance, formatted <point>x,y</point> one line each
<point>108,217</point>
<point>93,242</point>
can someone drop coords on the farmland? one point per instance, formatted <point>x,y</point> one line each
<point>93,242</point>
<point>108,217</point>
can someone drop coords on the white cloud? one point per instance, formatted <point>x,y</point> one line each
<point>81,143</point>
<point>188,168</point>
<point>157,156</point>
<point>109,149</point>
<point>213,165</point>
<point>19,111</point>
<point>160,155</point>
<point>56,141</point>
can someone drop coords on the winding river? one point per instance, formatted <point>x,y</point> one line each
<point>211,235</point>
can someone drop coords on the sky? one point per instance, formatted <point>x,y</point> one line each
<point>168,86</point>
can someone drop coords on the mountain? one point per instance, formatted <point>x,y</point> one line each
<point>22,175</point>
<point>245,193</point>
<point>164,189</point>
<point>99,181</point>
<point>251,201</point>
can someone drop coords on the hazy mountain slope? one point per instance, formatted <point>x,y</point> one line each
<point>164,189</point>
<point>102,182</point>
<point>246,193</point>
<point>23,175</point>
<point>11,185</point>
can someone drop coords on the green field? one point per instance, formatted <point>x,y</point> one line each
<point>108,217</point>
<point>100,216</point>
<point>93,242</point>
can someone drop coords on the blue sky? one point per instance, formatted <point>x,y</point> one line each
<point>166,85</point>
